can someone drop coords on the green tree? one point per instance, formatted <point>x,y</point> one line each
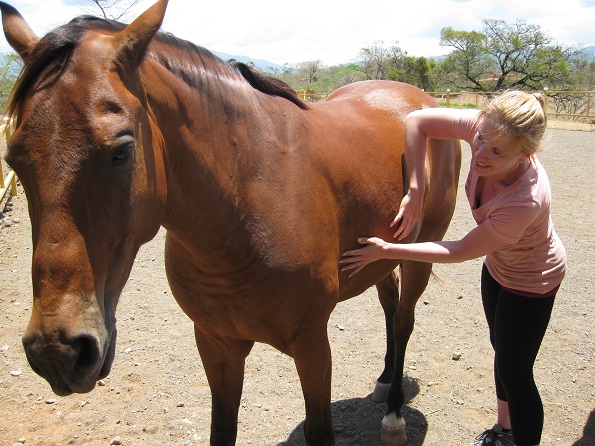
<point>10,67</point>
<point>375,61</point>
<point>341,75</point>
<point>393,63</point>
<point>582,67</point>
<point>518,55</point>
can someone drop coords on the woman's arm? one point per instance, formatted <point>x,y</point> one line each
<point>420,125</point>
<point>478,242</point>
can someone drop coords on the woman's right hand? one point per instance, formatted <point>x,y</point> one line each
<point>407,216</point>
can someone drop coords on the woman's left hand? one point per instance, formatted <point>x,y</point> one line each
<point>357,259</point>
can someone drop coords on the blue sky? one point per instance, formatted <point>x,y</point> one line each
<point>334,31</point>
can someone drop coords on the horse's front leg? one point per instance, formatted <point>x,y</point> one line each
<point>223,361</point>
<point>312,355</point>
<point>414,279</point>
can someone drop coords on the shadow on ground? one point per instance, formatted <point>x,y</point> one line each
<point>357,421</point>
<point>588,432</point>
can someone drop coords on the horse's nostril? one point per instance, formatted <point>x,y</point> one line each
<point>87,352</point>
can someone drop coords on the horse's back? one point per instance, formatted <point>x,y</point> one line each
<point>396,97</point>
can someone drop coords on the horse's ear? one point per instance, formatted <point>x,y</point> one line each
<point>132,41</point>
<point>18,33</point>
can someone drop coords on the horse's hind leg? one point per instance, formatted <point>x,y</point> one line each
<point>388,294</point>
<point>223,361</point>
<point>414,279</point>
<point>312,355</point>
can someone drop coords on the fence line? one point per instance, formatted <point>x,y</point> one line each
<point>567,104</point>
<point>8,182</point>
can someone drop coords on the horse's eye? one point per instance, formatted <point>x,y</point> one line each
<point>122,154</point>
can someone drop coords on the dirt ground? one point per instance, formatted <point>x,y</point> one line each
<point>157,393</point>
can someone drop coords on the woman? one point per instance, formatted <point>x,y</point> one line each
<point>510,196</point>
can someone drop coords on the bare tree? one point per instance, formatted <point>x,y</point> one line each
<point>109,9</point>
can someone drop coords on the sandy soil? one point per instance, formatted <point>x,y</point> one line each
<point>157,393</point>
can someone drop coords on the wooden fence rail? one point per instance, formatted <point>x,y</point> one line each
<point>8,182</point>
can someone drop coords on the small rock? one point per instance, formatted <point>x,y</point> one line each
<point>116,441</point>
<point>50,401</point>
<point>7,221</point>
<point>456,356</point>
<point>101,382</point>
<point>16,373</point>
<point>180,404</point>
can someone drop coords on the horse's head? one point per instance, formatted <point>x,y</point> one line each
<point>89,156</point>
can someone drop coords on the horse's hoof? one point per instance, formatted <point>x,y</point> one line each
<point>380,394</point>
<point>393,431</point>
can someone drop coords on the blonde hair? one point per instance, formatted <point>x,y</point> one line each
<point>521,115</point>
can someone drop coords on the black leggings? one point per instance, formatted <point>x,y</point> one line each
<point>517,326</point>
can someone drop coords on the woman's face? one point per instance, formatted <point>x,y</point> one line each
<point>498,154</point>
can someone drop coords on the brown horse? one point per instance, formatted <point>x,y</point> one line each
<point>121,129</point>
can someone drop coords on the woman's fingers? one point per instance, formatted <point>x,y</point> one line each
<point>403,230</point>
<point>397,218</point>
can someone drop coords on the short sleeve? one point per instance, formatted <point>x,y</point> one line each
<point>509,223</point>
<point>465,126</point>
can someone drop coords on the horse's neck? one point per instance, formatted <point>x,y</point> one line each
<point>213,136</point>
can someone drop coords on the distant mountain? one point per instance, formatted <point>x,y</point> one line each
<point>587,53</point>
<point>261,64</point>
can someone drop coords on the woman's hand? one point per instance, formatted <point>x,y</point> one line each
<point>356,259</point>
<point>407,216</point>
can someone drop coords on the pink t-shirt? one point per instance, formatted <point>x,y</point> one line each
<point>533,259</point>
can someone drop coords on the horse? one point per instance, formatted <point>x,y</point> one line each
<point>123,129</point>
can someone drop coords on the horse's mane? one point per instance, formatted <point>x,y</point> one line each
<point>52,54</point>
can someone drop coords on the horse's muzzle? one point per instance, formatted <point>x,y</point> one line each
<point>70,364</point>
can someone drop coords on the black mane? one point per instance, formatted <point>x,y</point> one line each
<point>52,54</point>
